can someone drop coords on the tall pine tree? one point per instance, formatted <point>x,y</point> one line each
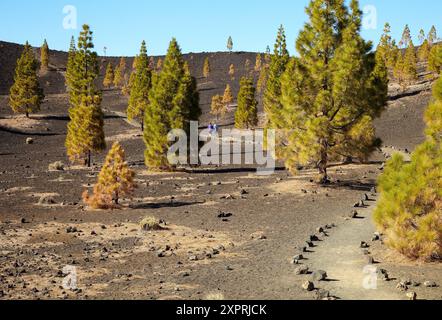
<point>206,68</point>
<point>25,95</point>
<point>332,92</point>
<point>44,56</point>
<point>140,85</point>
<point>174,102</point>
<point>272,94</point>
<point>85,129</point>
<point>246,116</point>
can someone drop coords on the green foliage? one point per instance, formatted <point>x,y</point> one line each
<point>85,129</point>
<point>120,73</point>
<point>82,69</point>
<point>140,85</point>
<point>405,70</point>
<point>217,107</point>
<point>174,102</point>
<point>272,94</point>
<point>232,71</point>
<point>432,35</point>
<point>109,76</point>
<point>206,68</point>
<point>115,180</point>
<point>227,96</point>
<point>410,207</point>
<point>246,116</point>
<point>387,49</point>
<point>332,92</point>
<point>25,95</point>
<point>230,44</point>
<point>424,51</point>
<point>435,59</point>
<point>406,37</point>
<point>44,56</point>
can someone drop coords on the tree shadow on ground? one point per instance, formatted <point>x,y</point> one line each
<point>174,204</point>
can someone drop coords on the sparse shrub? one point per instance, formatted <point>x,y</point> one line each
<point>409,211</point>
<point>115,180</point>
<point>150,224</point>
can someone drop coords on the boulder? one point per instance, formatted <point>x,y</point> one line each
<point>319,275</point>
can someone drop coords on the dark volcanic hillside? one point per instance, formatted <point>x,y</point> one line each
<point>53,80</point>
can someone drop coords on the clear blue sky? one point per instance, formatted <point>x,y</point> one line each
<point>199,25</point>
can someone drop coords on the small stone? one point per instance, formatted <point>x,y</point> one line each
<point>376,236</point>
<point>401,286</point>
<point>243,192</point>
<point>29,140</point>
<point>430,284</point>
<point>370,260</point>
<point>301,270</point>
<point>319,275</point>
<point>298,257</point>
<point>56,166</point>
<point>310,244</point>
<point>412,296</point>
<point>314,238</point>
<point>23,220</point>
<point>322,294</point>
<point>364,245</point>
<point>193,258</point>
<point>320,230</point>
<point>308,285</point>
<point>354,214</point>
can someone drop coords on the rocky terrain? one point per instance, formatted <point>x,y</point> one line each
<point>227,233</point>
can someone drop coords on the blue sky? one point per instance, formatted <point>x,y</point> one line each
<point>199,25</point>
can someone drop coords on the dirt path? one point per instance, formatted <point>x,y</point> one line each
<point>348,267</point>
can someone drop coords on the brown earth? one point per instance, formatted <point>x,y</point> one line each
<point>244,256</point>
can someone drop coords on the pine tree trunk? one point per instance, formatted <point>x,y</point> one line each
<point>142,124</point>
<point>322,164</point>
<point>27,114</point>
<point>116,197</point>
<point>89,159</point>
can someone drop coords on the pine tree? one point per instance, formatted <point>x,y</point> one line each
<point>272,94</point>
<point>398,70</point>
<point>116,180</point>
<point>421,36</point>
<point>230,44</point>
<point>262,80</point>
<point>410,63</point>
<point>140,85</point>
<point>232,71</point>
<point>70,65</point>
<point>333,91</point>
<point>258,63</point>
<point>206,68</point>
<point>435,59</point>
<point>218,108</point>
<point>120,73</point>
<point>432,36</point>
<point>424,51</point>
<point>85,129</point>
<point>246,116</point>
<point>109,77</point>
<point>387,49</point>
<point>409,208</point>
<point>174,102</point>
<point>83,71</point>
<point>227,97</point>
<point>406,37</point>
<point>44,56</point>
<point>25,95</point>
